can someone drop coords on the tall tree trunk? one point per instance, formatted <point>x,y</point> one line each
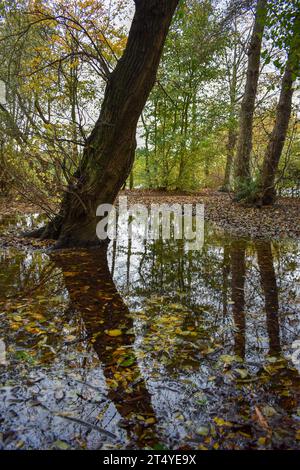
<point>232,73</point>
<point>147,163</point>
<point>232,137</point>
<point>244,145</point>
<point>109,152</point>
<point>267,192</point>
<point>131,180</point>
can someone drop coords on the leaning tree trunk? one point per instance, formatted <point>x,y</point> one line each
<point>244,145</point>
<point>109,152</point>
<point>266,191</point>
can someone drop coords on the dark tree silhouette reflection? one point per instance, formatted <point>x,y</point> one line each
<point>94,296</point>
<point>269,289</point>
<point>238,270</point>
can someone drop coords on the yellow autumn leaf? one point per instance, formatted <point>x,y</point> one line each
<point>202,447</point>
<point>38,316</point>
<point>17,318</point>
<point>262,441</point>
<point>118,376</point>
<point>112,383</point>
<point>222,422</point>
<point>113,332</point>
<point>35,331</point>
<point>150,420</point>
<point>70,338</point>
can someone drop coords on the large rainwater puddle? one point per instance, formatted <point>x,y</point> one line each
<point>152,346</point>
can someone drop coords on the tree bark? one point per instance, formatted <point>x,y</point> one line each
<point>244,145</point>
<point>266,192</point>
<point>232,136</point>
<point>109,152</point>
<point>232,74</point>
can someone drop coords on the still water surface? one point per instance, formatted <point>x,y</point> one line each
<point>150,345</point>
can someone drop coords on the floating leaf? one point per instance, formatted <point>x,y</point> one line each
<point>202,431</point>
<point>128,361</point>
<point>17,318</point>
<point>202,447</point>
<point>243,373</point>
<point>269,411</point>
<point>159,447</point>
<point>61,445</point>
<point>272,369</point>
<point>151,420</point>
<point>113,332</point>
<point>70,338</point>
<point>227,359</point>
<point>222,422</point>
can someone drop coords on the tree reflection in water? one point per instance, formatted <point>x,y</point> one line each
<point>238,273</point>
<point>269,287</point>
<point>270,293</point>
<point>93,295</point>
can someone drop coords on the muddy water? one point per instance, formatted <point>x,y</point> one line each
<point>150,345</point>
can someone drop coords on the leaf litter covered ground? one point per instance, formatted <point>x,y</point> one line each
<point>153,348</point>
<point>278,221</point>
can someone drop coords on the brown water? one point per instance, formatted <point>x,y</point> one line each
<point>150,345</point>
